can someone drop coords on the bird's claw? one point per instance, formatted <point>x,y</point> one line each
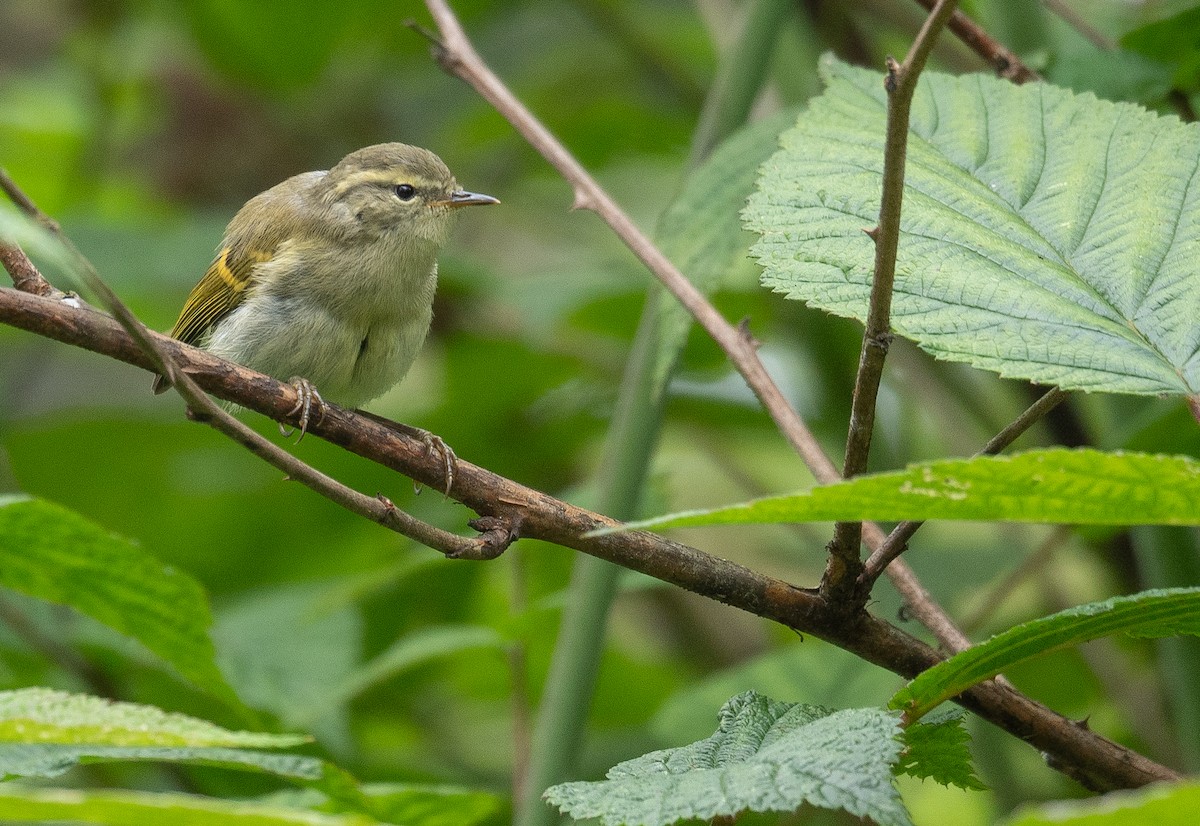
<point>307,399</point>
<point>434,443</point>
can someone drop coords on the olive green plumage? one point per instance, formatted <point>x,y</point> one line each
<point>330,276</point>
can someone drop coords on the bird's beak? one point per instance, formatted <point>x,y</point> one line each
<point>462,198</point>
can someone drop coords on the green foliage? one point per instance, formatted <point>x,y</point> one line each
<point>49,552</point>
<point>1085,487</point>
<point>1031,240</point>
<point>1175,41</point>
<point>700,231</point>
<point>286,653</point>
<point>149,809</point>
<point>44,733</point>
<point>1160,613</point>
<point>142,127</point>
<point>42,715</point>
<point>766,756</point>
<point>937,749</point>
<point>1163,805</point>
<point>419,647</point>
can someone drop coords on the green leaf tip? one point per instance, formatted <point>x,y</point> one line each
<point>1055,485</point>
<point>1158,613</point>
<point>1045,235</point>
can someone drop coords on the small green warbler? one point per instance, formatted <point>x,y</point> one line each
<point>327,279</point>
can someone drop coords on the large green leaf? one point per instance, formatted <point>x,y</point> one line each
<point>148,809</point>
<point>1160,613</point>
<point>1083,487</point>
<point>44,732</point>
<point>49,552</point>
<point>1045,235</point>
<point>766,756</point>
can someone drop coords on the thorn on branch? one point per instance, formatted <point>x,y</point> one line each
<point>746,336</point>
<point>581,200</point>
<point>872,233</point>
<point>893,75</point>
<point>883,341</point>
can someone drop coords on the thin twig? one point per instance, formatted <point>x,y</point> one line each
<point>1006,64</point>
<point>1030,565</point>
<point>1080,24</point>
<point>25,275</point>
<point>458,57</point>
<point>378,508</point>
<point>543,517</point>
<point>898,539</point>
<point>841,580</point>
<point>1193,405</point>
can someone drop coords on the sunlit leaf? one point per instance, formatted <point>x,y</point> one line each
<point>1045,235</point>
<point>1085,487</point>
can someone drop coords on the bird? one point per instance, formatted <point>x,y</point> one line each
<point>327,279</point>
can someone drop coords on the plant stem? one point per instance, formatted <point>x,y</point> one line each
<point>570,683</point>
<point>562,714</point>
<point>840,582</point>
<point>739,77</point>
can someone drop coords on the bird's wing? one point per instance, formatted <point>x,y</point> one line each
<point>218,293</point>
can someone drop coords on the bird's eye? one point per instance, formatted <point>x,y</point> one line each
<point>405,192</point>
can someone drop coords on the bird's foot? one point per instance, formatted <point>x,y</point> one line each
<point>307,400</point>
<point>435,444</point>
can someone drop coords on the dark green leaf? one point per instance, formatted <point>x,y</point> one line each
<point>1160,613</point>
<point>46,551</point>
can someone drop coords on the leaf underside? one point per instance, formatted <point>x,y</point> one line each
<point>1045,235</point>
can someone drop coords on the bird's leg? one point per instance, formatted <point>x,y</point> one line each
<point>433,443</point>
<point>308,398</point>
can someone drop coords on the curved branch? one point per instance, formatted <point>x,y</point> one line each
<point>541,516</point>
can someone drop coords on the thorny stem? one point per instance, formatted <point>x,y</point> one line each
<point>841,580</point>
<point>898,539</point>
<point>457,56</point>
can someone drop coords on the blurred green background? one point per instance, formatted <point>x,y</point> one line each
<point>142,126</point>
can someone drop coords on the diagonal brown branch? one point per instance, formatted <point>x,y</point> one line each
<point>456,54</point>
<point>541,516</point>
<point>1006,64</point>
<point>377,508</point>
